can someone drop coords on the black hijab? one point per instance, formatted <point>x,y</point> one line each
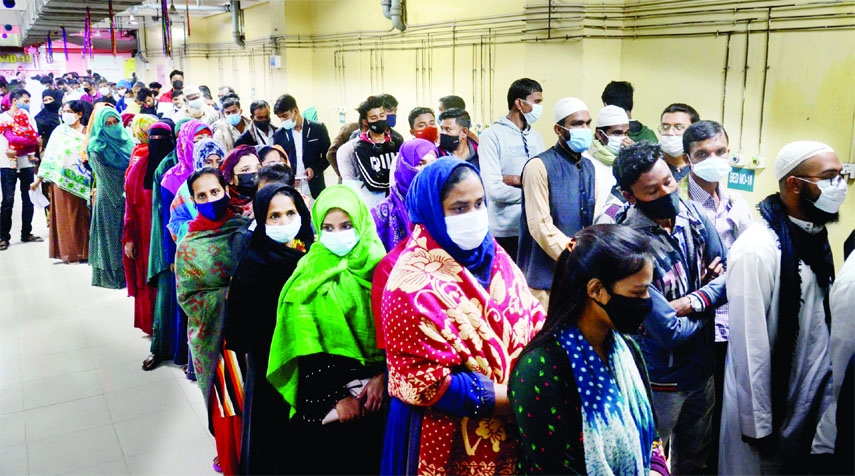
<point>260,274</point>
<point>161,142</point>
<point>48,118</point>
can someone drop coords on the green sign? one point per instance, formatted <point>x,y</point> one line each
<point>741,179</point>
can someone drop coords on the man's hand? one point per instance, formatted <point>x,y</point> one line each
<point>11,154</point>
<point>626,142</point>
<point>310,174</point>
<point>130,250</point>
<point>683,306</point>
<point>714,270</point>
<point>512,180</point>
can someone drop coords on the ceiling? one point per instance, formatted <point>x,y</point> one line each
<point>38,17</point>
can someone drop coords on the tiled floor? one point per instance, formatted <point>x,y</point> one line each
<point>73,399</point>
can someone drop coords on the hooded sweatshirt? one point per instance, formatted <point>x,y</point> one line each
<point>503,150</point>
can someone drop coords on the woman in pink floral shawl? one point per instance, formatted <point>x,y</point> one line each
<point>456,314</point>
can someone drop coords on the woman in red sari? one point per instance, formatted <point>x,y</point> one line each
<point>136,234</point>
<point>456,313</point>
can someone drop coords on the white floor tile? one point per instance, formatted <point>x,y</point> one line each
<point>82,449</point>
<point>13,460</point>
<point>11,398</point>
<point>172,428</point>
<point>63,388</point>
<point>194,457</point>
<point>128,375</point>
<point>108,468</point>
<point>52,365</point>
<point>13,432</point>
<point>153,398</point>
<point>51,343</point>
<point>66,417</point>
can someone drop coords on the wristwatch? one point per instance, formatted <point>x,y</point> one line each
<point>696,303</point>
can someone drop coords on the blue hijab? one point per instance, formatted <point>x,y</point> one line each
<point>425,206</point>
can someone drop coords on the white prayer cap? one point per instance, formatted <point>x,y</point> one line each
<point>794,153</point>
<point>565,107</point>
<point>191,90</point>
<point>612,116</point>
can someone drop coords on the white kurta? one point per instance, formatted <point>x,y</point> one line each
<point>841,348</point>
<point>753,288</point>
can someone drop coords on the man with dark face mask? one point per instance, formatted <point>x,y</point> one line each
<point>688,270</point>
<point>176,79</point>
<point>454,139</point>
<point>260,132</point>
<point>780,273</point>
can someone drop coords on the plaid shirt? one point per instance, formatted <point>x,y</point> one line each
<point>731,217</point>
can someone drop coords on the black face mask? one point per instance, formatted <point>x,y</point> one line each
<point>378,127</point>
<point>263,125</point>
<point>52,107</point>
<point>627,313</point>
<point>178,84</point>
<point>448,142</point>
<point>247,183</point>
<point>663,208</point>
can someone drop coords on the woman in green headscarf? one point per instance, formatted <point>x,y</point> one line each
<point>324,358</point>
<point>109,151</point>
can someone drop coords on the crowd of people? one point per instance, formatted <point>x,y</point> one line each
<point>457,303</point>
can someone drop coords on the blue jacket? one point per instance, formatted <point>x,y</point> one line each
<point>679,350</point>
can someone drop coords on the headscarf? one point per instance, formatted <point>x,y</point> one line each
<point>127,118</point>
<point>161,143</point>
<point>425,206</point>
<point>48,118</point>
<point>326,304</point>
<point>177,175</point>
<point>90,124</point>
<point>204,149</point>
<point>260,207</point>
<point>113,144</point>
<point>391,215</point>
<point>234,157</point>
<point>140,125</point>
<point>263,150</point>
<point>176,126</point>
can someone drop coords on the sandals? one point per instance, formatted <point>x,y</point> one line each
<point>4,245</point>
<point>32,239</point>
<point>151,362</point>
<point>216,464</point>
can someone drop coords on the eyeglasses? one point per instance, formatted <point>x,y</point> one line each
<point>832,182</point>
<point>665,128</point>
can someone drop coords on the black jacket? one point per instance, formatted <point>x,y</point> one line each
<point>316,143</point>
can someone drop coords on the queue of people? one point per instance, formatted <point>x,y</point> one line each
<point>457,303</point>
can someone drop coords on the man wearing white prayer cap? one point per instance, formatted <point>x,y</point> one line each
<point>195,107</point>
<point>558,196</point>
<point>610,135</point>
<point>777,381</point>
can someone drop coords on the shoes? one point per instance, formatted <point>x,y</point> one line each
<point>216,464</point>
<point>32,239</point>
<point>4,245</point>
<point>151,362</point>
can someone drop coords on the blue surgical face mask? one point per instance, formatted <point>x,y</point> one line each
<point>23,106</point>
<point>284,233</point>
<point>391,120</point>
<point>579,140</point>
<point>340,243</point>
<point>534,115</point>
<point>289,124</point>
<point>234,119</point>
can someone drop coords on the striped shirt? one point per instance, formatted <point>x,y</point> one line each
<point>731,217</point>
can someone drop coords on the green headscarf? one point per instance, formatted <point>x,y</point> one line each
<point>326,304</point>
<point>112,144</point>
<point>179,124</point>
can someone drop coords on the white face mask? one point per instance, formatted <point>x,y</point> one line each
<point>714,169</point>
<point>672,145</point>
<point>284,233</point>
<point>196,103</point>
<point>615,143</point>
<point>468,230</point>
<point>831,197</point>
<point>534,115</point>
<point>340,243</point>
<point>105,91</point>
<point>289,124</point>
<point>70,118</point>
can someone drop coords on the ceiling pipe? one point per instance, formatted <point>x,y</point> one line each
<point>135,10</point>
<point>396,13</point>
<point>387,6</point>
<point>236,33</point>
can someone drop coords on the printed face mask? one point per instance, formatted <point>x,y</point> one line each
<point>378,127</point>
<point>429,133</point>
<point>448,142</point>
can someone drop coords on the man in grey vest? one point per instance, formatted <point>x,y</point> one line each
<point>558,196</point>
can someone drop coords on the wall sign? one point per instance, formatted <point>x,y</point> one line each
<point>25,59</point>
<point>741,179</point>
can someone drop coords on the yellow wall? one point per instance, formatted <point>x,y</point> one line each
<point>337,52</point>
